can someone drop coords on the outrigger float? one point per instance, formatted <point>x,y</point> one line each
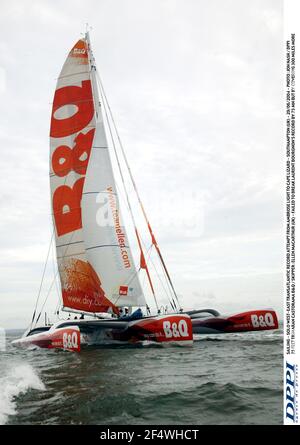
<point>98,276</point>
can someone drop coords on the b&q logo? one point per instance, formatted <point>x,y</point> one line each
<point>79,51</point>
<point>175,330</point>
<point>262,321</point>
<point>70,341</point>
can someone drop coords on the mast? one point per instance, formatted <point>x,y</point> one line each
<point>92,65</point>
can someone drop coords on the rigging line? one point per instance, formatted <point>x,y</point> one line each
<point>147,253</point>
<point>143,284</point>
<point>133,275</point>
<point>59,299</point>
<point>49,290</point>
<point>169,291</point>
<point>121,193</point>
<point>42,279</point>
<point>149,259</point>
<point>97,107</point>
<point>144,265</point>
<point>48,293</point>
<point>148,250</point>
<point>56,284</point>
<point>168,294</point>
<point>127,198</point>
<point>45,266</point>
<point>136,191</point>
<point>136,271</point>
<point>129,281</point>
<point>57,308</point>
<point>55,269</point>
<point>160,279</point>
<point>129,205</point>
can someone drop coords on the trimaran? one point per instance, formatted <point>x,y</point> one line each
<point>97,273</point>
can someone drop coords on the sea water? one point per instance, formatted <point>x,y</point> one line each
<point>232,379</point>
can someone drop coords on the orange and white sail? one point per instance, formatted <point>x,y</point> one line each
<point>96,267</point>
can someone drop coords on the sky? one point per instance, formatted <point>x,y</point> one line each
<point>196,89</point>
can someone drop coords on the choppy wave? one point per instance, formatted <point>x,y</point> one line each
<point>232,379</point>
<point>16,379</point>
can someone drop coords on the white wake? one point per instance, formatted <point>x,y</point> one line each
<point>16,379</point>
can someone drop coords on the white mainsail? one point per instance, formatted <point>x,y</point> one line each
<point>94,259</point>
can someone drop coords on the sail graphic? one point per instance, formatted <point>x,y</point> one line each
<point>93,255</point>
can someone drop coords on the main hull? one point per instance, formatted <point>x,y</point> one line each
<point>164,330</point>
<point>72,335</point>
